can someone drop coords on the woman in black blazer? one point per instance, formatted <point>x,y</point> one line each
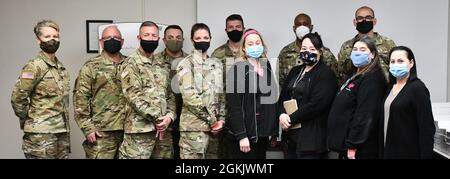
<point>357,109</point>
<point>312,86</point>
<point>408,125</point>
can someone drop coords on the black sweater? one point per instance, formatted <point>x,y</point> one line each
<point>314,103</point>
<point>354,118</point>
<point>410,132</point>
<point>244,86</point>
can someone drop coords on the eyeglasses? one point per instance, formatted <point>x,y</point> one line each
<point>112,37</point>
<point>367,18</point>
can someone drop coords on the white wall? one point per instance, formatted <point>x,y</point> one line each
<point>181,12</point>
<point>421,24</point>
<point>18,45</point>
<point>448,56</point>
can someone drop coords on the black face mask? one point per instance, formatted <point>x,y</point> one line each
<point>50,46</point>
<point>112,46</point>
<point>235,35</point>
<point>308,58</point>
<point>364,26</point>
<point>149,46</point>
<point>203,46</point>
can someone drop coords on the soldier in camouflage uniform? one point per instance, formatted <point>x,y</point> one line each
<point>40,99</point>
<point>173,53</point>
<point>289,55</point>
<point>200,81</point>
<point>98,99</point>
<point>228,54</point>
<point>150,104</point>
<point>364,21</point>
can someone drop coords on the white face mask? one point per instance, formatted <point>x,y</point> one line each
<point>301,31</point>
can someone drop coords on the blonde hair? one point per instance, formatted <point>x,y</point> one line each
<point>248,32</point>
<point>45,23</point>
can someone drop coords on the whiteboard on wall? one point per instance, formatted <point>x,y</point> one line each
<point>130,31</point>
<point>421,25</point>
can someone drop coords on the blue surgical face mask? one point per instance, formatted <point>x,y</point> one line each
<point>255,51</point>
<point>399,70</point>
<point>359,59</point>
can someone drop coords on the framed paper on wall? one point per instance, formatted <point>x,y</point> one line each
<point>92,36</point>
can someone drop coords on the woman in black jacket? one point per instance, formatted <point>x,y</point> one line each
<point>312,87</point>
<point>252,96</point>
<point>408,125</point>
<point>354,118</point>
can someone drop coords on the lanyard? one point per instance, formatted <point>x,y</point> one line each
<point>347,82</point>
<point>297,80</point>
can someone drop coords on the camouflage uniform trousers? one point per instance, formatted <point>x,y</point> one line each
<point>164,148</point>
<point>46,146</point>
<point>137,145</point>
<point>105,147</point>
<point>216,148</point>
<point>198,145</point>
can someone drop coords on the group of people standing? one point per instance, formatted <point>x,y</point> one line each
<point>368,103</point>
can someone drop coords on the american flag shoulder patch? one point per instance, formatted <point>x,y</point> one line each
<point>27,75</point>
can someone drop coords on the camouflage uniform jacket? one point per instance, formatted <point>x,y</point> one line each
<point>346,68</point>
<point>146,84</point>
<point>168,61</point>
<point>98,99</point>
<point>40,97</point>
<point>226,56</point>
<point>170,64</point>
<point>200,84</point>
